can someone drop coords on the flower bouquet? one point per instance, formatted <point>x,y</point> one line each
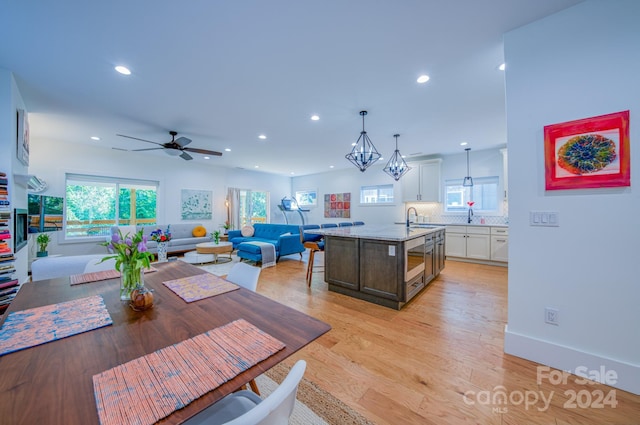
<point>132,256</point>
<point>163,239</point>
<point>159,236</point>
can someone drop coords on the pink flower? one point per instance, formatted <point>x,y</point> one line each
<point>470,203</point>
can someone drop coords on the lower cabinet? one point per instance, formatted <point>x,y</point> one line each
<point>499,244</point>
<point>482,243</point>
<point>468,242</point>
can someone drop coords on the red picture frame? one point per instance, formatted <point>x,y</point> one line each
<point>588,153</point>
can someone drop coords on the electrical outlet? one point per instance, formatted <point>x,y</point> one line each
<point>551,316</point>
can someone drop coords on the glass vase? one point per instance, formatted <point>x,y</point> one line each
<point>131,277</point>
<point>162,252</point>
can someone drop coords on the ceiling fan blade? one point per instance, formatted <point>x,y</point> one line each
<point>183,141</point>
<point>203,151</point>
<point>147,149</point>
<point>136,138</point>
<point>120,149</point>
<point>186,156</point>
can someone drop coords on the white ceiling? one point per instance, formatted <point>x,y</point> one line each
<point>223,72</point>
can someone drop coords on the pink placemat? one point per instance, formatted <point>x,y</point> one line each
<point>77,279</point>
<point>151,387</point>
<point>28,328</point>
<point>194,288</point>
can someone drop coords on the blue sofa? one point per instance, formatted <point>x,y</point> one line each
<point>285,238</point>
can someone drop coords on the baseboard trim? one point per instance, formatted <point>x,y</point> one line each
<point>568,359</point>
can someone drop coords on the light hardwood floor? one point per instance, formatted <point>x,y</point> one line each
<point>415,366</point>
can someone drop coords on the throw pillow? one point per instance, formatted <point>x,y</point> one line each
<point>247,231</point>
<point>199,231</point>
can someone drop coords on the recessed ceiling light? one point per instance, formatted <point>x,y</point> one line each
<point>123,70</point>
<point>262,137</point>
<point>330,166</point>
<point>95,138</point>
<point>227,150</point>
<point>292,173</point>
<point>423,79</point>
<point>502,67</point>
<point>463,144</point>
<point>315,117</point>
<point>353,144</point>
<point>257,166</point>
<point>206,157</point>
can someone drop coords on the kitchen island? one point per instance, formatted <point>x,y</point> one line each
<point>386,265</point>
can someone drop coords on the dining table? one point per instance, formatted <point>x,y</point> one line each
<point>51,383</point>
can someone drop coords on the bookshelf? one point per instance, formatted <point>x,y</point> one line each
<point>9,285</point>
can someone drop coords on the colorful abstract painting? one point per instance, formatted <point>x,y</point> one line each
<point>588,153</point>
<point>337,205</point>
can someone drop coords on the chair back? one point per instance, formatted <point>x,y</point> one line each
<point>358,223</point>
<point>345,224</point>
<point>244,275</point>
<point>278,406</point>
<point>326,225</point>
<point>96,266</point>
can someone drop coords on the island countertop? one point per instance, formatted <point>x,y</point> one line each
<point>383,233</point>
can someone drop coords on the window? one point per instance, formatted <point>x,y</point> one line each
<point>380,194</point>
<point>94,204</point>
<point>253,207</point>
<point>484,194</point>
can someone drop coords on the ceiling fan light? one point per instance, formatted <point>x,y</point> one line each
<point>172,152</point>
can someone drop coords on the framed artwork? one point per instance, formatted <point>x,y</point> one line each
<point>307,198</point>
<point>337,205</point>
<point>23,137</point>
<point>588,153</point>
<point>196,204</point>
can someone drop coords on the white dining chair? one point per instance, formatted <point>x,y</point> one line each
<point>244,275</point>
<point>246,408</point>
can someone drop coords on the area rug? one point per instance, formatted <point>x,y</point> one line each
<point>221,269</point>
<point>314,406</point>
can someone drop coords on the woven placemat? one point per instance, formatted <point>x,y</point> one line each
<point>77,279</point>
<point>35,326</point>
<point>194,288</point>
<point>151,387</point>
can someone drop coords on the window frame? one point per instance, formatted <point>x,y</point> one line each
<point>117,182</point>
<point>378,187</point>
<point>468,195</point>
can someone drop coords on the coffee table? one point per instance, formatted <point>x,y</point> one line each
<point>215,249</point>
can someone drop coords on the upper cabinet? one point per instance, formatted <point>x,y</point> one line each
<point>422,182</point>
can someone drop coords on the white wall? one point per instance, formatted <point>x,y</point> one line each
<point>51,160</point>
<point>579,63</point>
<point>349,181</point>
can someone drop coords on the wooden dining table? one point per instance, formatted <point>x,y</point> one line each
<point>52,383</point>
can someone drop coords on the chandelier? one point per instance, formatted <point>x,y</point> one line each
<point>397,166</point>
<point>363,153</point>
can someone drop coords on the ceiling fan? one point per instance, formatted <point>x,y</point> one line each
<point>175,147</point>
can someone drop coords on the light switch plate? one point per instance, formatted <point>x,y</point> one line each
<point>544,218</point>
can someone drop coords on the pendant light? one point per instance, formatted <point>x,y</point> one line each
<point>363,153</point>
<point>397,166</point>
<point>468,181</point>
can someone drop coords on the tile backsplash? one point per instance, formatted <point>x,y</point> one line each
<point>434,213</point>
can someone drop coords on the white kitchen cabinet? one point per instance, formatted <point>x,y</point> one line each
<point>422,182</point>
<point>472,242</point>
<point>500,244</point>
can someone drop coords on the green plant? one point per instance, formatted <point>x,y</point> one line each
<point>216,236</point>
<point>43,240</point>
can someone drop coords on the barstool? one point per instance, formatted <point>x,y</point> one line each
<point>313,247</point>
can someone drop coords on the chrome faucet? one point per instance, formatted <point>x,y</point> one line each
<point>409,209</point>
<point>470,215</point>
